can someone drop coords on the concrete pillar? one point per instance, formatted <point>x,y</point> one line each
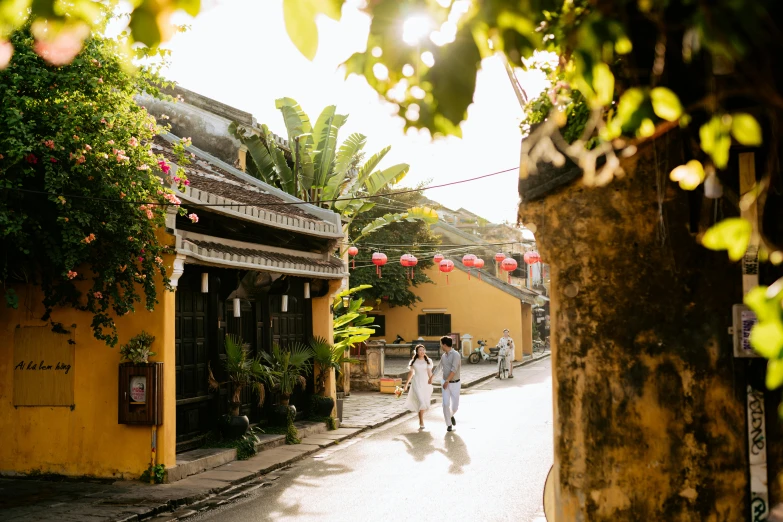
<point>323,326</point>
<point>649,417</point>
<point>527,331</point>
<point>375,359</point>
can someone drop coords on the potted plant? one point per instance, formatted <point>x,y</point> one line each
<point>288,365</point>
<point>137,350</point>
<point>241,371</point>
<point>327,356</point>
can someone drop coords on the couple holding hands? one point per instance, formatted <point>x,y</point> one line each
<point>421,373</point>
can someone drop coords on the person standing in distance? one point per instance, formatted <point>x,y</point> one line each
<point>508,342</point>
<point>450,363</point>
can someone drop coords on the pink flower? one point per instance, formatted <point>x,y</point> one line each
<point>80,160</point>
<point>100,80</point>
<point>133,142</point>
<point>49,143</point>
<point>87,147</point>
<point>187,182</point>
<point>59,48</point>
<point>103,120</point>
<point>6,51</point>
<point>53,160</point>
<point>98,295</point>
<point>110,142</point>
<point>75,137</point>
<point>89,239</point>
<point>141,260</point>
<point>31,159</point>
<point>143,167</point>
<point>72,274</point>
<point>164,167</point>
<point>171,198</point>
<point>193,218</point>
<point>159,260</point>
<point>176,179</point>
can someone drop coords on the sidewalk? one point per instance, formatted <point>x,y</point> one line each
<point>63,500</point>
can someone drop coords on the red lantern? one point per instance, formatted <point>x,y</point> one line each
<point>468,260</point>
<point>446,266</point>
<point>352,251</point>
<point>379,259</point>
<point>437,258</point>
<point>479,264</point>
<point>509,265</point>
<point>532,257</point>
<point>499,257</point>
<point>408,261</point>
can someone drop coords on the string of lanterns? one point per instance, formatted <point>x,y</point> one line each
<point>470,261</point>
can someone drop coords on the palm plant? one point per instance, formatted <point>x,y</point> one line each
<point>288,365</point>
<point>317,170</point>
<point>352,325</point>
<point>242,370</point>
<point>328,356</point>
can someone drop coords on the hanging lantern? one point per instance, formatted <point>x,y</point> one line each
<point>438,258</point>
<point>379,259</point>
<point>468,260</point>
<point>237,308</point>
<point>446,266</point>
<point>499,257</point>
<point>532,257</point>
<point>509,265</point>
<point>407,261</point>
<point>204,283</point>
<point>307,290</point>
<point>478,264</point>
<point>352,251</point>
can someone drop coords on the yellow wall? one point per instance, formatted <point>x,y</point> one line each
<point>323,326</point>
<point>476,308</point>
<point>85,441</point>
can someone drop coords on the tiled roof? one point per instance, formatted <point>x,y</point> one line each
<point>523,294</point>
<point>213,185</point>
<point>208,251</point>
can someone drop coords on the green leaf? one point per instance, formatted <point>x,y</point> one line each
<point>603,83</point>
<point>767,338</point>
<point>746,130</point>
<point>732,234</point>
<point>297,123</point>
<point>666,104</point>
<point>331,8</point>
<point>689,176</point>
<point>299,17</point>
<point>192,7</point>
<point>774,373</point>
<point>382,179</point>
<point>715,140</point>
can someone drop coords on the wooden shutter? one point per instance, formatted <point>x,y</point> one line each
<point>422,325</point>
<point>446,324</point>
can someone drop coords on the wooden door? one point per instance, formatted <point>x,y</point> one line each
<point>195,408</point>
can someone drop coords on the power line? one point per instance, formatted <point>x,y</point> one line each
<point>264,205</point>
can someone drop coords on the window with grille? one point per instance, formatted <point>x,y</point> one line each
<point>434,324</point>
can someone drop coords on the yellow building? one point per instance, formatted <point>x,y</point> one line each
<point>465,306</point>
<point>258,263</point>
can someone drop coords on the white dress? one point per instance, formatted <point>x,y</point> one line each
<point>420,391</point>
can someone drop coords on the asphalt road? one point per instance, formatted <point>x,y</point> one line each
<point>492,468</point>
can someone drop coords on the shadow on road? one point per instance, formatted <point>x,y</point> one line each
<point>456,451</point>
<point>419,445</point>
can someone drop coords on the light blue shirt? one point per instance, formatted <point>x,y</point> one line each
<point>450,362</point>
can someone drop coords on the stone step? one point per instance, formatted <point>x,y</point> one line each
<point>203,459</point>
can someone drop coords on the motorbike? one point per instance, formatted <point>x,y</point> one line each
<point>480,354</point>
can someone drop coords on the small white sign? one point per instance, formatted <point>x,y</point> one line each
<point>744,320</point>
<point>138,388</point>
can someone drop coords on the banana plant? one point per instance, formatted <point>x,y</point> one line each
<point>352,325</point>
<point>315,169</point>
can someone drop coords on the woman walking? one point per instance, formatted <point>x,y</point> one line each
<point>420,372</point>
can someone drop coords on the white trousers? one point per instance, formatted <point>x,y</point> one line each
<point>450,400</point>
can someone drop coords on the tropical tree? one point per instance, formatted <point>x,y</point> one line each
<point>316,168</point>
<point>328,356</point>
<point>351,323</point>
<point>242,370</point>
<point>395,288</point>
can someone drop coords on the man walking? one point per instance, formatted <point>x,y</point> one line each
<point>450,363</point>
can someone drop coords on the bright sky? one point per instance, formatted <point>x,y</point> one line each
<point>238,52</point>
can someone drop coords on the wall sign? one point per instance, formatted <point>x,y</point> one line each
<point>744,320</point>
<point>43,367</point>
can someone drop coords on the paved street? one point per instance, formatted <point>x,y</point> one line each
<point>492,468</point>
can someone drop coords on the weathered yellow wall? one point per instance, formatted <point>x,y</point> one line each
<point>323,326</point>
<point>476,308</point>
<point>85,441</point>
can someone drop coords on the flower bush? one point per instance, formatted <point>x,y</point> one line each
<point>82,196</point>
